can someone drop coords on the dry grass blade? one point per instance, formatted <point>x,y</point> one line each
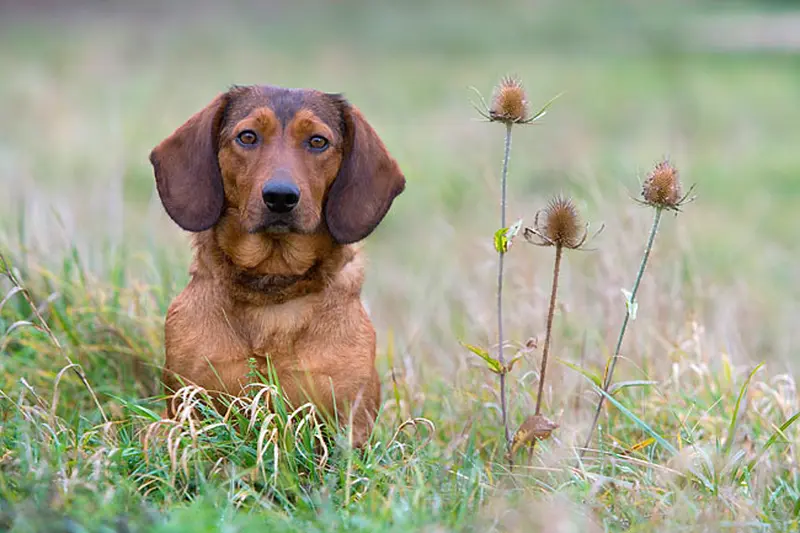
<point>268,434</point>
<point>10,294</point>
<point>8,272</point>
<point>414,422</point>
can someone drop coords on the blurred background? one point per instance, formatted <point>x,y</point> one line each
<point>87,88</point>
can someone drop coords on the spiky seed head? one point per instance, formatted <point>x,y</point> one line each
<point>560,224</point>
<point>662,188</point>
<point>509,103</point>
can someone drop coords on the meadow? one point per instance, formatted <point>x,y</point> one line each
<point>702,439</point>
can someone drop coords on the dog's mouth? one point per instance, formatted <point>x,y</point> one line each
<point>276,226</point>
<point>279,226</point>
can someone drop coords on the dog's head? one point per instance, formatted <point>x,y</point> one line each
<point>283,160</point>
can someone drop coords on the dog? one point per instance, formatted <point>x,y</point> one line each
<point>278,186</point>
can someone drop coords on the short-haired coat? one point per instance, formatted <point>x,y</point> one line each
<point>277,186</point>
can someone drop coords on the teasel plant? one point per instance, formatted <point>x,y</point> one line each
<point>661,191</point>
<point>558,226</point>
<point>509,106</point>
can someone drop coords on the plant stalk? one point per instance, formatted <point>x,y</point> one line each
<point>610,374</point>
<point>550,313</point>
<point>500,338</point>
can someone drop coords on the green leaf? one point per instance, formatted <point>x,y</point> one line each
<point>636,420</point>
<point>779,432</point>
<point>504,237</point>
<point>493,364</point>
<point>543,111</point>
<point>616,387</point>
<point>630,305</point>
<point>597,381</point>
<point>500,241</point>
<point>137,409</point>
<point>735,418</point>
<point>594,378</point>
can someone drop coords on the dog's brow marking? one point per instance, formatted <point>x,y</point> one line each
<point>306,122</point>
<point>266,119</point>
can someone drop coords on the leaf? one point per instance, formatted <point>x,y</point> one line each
<point>536,427</point>
<point>779,432</point>
<point>543,111</point>
<point>512,362</point>
<point>735,418</point>
<point>504,237</point>
<point>594,378</point>
<point>636,420</point>
<point>137,409</point>
<point>616,387</point>
<point>500,241</point>
<point>493,364</point>
<point>513,231</point>
<point>631,306</point>
<point>640,445</point>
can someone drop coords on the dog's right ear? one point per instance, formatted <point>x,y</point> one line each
<point>186,166</point>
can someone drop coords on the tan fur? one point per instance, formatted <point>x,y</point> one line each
<point>289,299</point>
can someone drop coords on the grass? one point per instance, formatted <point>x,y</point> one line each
<point>698,440</point>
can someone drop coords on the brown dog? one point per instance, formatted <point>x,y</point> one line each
<point>277,185</point>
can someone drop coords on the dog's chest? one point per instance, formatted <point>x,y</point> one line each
<point>277,331</point>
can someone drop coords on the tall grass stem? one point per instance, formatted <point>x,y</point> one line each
<point>610,374</point>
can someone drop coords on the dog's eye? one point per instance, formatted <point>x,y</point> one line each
<point>247,138</point>
<point>317,143</point>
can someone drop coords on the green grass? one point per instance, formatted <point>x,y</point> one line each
<point>84,95</point>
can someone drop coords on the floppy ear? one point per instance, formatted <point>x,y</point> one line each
<point>188,177</point>
<point>368,181</point>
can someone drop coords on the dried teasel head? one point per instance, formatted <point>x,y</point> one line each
<point>558,225</point>
<point>509,103</point>
<point>662,188</point>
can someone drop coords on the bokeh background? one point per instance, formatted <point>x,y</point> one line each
<point>87,88</point>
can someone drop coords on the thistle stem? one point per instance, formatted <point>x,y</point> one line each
<point>610,374</point>
<point>550,313</point>
<point>500,339</point>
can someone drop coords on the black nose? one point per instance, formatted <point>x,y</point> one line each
<point>280,196</point>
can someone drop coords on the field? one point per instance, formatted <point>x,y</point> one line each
<point>702,439</point>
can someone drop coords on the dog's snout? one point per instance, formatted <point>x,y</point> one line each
<point>280,196</point>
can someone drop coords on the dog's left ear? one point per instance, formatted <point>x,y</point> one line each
<point>368,181</point>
